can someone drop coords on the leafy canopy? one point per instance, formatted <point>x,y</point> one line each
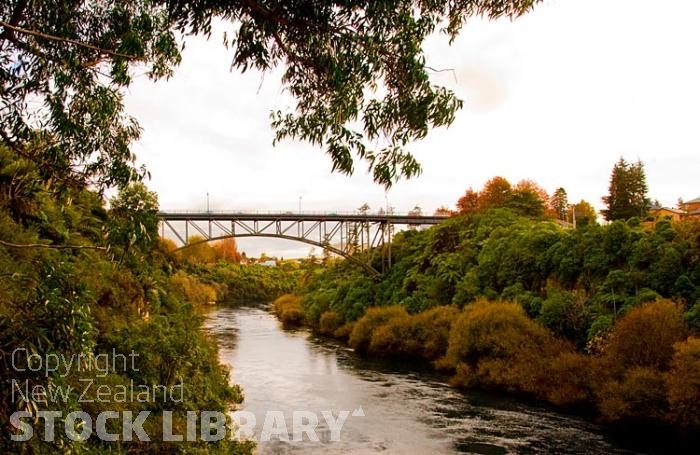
<point>355,68</point>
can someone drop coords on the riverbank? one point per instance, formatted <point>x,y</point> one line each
<point>495,346</point>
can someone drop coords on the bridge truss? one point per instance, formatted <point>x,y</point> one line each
<point>343,235</point>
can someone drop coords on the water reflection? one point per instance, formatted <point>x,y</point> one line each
<point>406,410</point>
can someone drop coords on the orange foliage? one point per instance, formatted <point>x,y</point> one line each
<point>362,332</point>
<point>329,322</point>
<point>443,211</point>
<point>198,252</point>
<point>226,250</point>
<point>392,331</point>
<point>431,329</point>
<point>645,336</point>
<point>495,344</point>
<point>469,202</point>
<point>569,380</point>
<point>531,186</point>
<point>288,310</point>
<point>193,290</point>
<point>639,397</point>
<point>496,193</point>
<point>166,244</point>
<point>683,382</point>
<point>392,337</point>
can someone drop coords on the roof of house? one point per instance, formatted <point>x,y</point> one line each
<point>656,209</point>
<point>693,201</point>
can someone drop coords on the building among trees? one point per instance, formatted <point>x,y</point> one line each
<point>691,208</point>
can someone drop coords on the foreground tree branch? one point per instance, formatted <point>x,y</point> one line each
<point>57,247</point>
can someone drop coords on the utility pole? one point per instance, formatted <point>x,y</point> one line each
<point>299,204</point>
<point>207,202</point>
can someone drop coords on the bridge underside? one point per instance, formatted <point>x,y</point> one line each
<point>343,235</point>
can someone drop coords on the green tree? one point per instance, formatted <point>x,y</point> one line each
<point>133,218</point>
<point>560,203</point>
<point>583,213</point>
<point>627,193</point>
<point>67,64</point>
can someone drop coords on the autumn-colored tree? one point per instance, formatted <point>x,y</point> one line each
<point>531,186</point>
<point>198,251</point>
<point>645,336</point>
<point>528,198</point>
<point>496,193</point>
<point>683,384</point>
<point>166,244</point>
<point>226,250</point>
<point>469,202</point>
<point>443,211</point>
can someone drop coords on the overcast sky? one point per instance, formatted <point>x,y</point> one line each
<point>556,96</point>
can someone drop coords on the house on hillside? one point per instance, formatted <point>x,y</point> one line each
<point>665,213</point>
<point>691,208</point>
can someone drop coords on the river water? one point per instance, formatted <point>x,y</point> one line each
<point>406,410</point>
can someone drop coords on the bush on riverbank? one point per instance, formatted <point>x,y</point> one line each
<point>495,345</point>
<point>329,323</point>
<point>646,374</point>
<point>392,331</point>
<point>288,310</point>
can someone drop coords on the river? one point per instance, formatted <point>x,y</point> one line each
<point>406,410</point>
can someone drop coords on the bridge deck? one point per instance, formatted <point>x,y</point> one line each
<point>287,216</point>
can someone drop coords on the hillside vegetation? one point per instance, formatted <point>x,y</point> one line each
<point>79,280</point>
<point>601,319</point>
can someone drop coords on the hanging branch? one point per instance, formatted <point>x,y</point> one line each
<point>58,247</point>
<point>66,40</point>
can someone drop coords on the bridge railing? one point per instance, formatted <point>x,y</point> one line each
<point>293,212</point>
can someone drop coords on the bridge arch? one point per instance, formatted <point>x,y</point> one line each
<point>342,234</point>
<point>326,247</point>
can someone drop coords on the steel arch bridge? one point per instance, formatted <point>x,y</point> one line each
<point>342,234</point>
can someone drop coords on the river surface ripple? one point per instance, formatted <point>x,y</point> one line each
<point>407,410</point>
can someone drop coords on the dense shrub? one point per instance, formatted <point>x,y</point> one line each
<point>192,289</point>
<point>683,382</point>
<point>392,336</point>
<point>638,398</point>
<point>431,330</point>
<point>644,337</point>
<point>495,344</point>
<point>364,328</point>
<point>569,380</point>
<point>566,315</point>
<point>288,309</point>
<point>329,322</point>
